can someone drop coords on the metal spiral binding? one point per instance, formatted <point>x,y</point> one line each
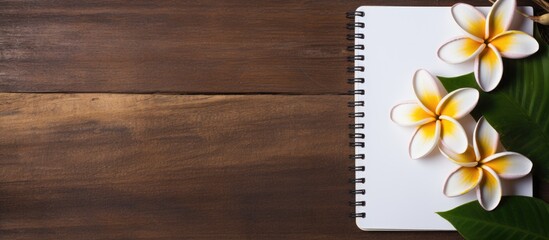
<point>357,139</point>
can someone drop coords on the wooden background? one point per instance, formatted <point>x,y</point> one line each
<point>134,119</point>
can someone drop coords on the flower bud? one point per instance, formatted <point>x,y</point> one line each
<point>543,19</point>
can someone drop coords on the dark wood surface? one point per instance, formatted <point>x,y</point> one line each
<point>207,46</point>
<point>178,120</point>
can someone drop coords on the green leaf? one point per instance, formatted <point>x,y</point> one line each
<point>519,107</point>
<point>516,217</point>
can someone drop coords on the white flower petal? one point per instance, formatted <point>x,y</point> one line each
<point>462,180</point>
<point>428,89</point>
<point>470,19</point>
<point>424,140</point>
<point>410,114</point>
<point>515,44</point>
<point>466,159</point>
<point>500,17</point>
<point>489,190</point>
<point>488,69</point>
<point>485,139</point>
<point>508,165</point>
<point>453,135</point>
<point>460,50</point>
<point>458,103</point>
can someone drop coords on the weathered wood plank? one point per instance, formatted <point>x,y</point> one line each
<point>102,166</point>
<point>207,46</point>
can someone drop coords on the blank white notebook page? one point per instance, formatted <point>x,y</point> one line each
<point>402,193</point>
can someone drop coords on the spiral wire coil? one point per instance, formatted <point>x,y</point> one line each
<point>357,139</point>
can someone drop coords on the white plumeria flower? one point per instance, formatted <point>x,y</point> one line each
<point>482,168</point>
<point>487,41</point>
<point>434,114</point>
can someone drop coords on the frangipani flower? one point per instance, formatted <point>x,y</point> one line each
<point>434,114</point>
<point>487,41</point>
<point>482,168</point>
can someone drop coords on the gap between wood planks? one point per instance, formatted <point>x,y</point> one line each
<point>194,93</point>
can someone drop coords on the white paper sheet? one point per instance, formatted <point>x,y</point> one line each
<point>401,193</point>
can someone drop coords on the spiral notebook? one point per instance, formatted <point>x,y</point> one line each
<point>392,191</point>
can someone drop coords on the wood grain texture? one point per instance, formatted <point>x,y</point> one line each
<point>208,46</point>
<point>100,166</point>
<point>151,166</point>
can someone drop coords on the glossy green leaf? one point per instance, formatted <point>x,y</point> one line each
<point>519,107</point>
<point>516,217</point>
